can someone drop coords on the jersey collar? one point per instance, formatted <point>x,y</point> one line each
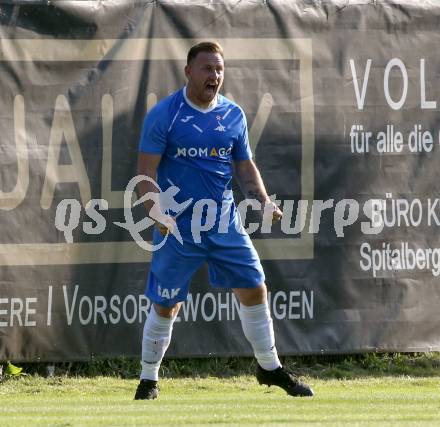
<point>202,110</point>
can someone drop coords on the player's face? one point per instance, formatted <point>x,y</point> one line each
<point>205,77</point>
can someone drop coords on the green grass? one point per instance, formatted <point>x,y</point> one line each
<point>327,366</point>
<point>228,401</point>
<point>372,389</point>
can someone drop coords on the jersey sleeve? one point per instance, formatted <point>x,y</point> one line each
<point>242,149</point>
<point>154,131</point>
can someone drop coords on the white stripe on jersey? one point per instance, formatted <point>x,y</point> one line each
<point>175,117</point>
<point>226,114</point>
<point>196,127</point>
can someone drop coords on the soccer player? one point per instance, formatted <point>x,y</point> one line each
<point>195,139</point>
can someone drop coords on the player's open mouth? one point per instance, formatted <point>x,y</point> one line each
<point>211,87</point>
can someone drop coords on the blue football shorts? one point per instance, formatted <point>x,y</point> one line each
<point>232,261</point>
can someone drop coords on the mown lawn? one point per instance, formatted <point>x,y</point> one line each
<point>234,401</point>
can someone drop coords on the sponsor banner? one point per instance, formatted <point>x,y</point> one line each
<point>342,108</point>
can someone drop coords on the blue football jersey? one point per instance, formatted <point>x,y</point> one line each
<point>197,147</point>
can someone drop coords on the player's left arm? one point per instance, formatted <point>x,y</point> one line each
<point>251,184</point>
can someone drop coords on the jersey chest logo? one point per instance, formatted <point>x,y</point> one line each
<point>186,119</point>
<point>220,127</point>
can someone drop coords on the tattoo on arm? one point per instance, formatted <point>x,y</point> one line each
<point>254,194</point>
<point>250,182</point>
<point>254,191</point>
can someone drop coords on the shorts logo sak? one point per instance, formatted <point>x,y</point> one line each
<point>167,293</point>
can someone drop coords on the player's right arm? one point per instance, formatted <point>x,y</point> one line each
<point>147,165</point>
<point>151,148</point>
